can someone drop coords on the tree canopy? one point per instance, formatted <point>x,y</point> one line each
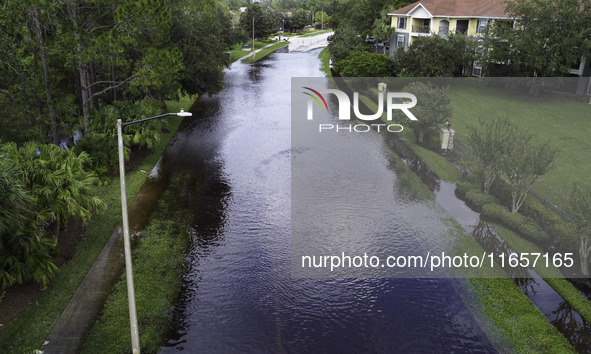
<point>432,108</point>
<point>265,21</point>
<point>435,56</point>
<point>580,213</point>
<point>547,39</point>
<point>345,41</point>
<point>364,64</point>
<point>74,67</point>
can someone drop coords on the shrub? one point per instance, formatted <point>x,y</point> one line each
<point>502,190</point>
<point>364,64</point>
<point>462,188</point>
<point>102,149</point>
<point>563,232</point>
<point>479,199</point>
<point>476,176</point>
<point>565,236</point>
<point>521,224</point>
<point>544,215</point>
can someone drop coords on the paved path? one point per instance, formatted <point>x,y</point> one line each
<point>69,332</point>
<point>299,44</point>
<point>304,44</point>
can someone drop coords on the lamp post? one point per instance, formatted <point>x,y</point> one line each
<point>253,53</point>
<point>135,340</point>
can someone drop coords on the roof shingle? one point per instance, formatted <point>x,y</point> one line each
<point>459,8</point>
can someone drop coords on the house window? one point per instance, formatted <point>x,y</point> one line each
<point>401,22</point>
<point>400,41</point>
<point>481,26</point>
<point>462,26</point>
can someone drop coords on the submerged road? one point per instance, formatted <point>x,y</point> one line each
<point>239,295</point>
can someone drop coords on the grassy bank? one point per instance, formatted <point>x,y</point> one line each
<point>27,332</point>
<point>442,168</point>
<point>159,265</point>
<point>515,317</point>
<point>263,53</point>
<point>237,52</point>
<point>551,275</point>
<point>519,320</point>
<point>324,56</point>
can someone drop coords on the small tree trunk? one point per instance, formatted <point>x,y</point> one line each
<point>585,248</point>
<point>489,179</point>
<point>421,135</point>
<point>113,78</point>
<point>39,33</point>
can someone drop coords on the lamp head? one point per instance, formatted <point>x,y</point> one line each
<point>182,113</point>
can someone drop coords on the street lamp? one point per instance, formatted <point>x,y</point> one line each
<point>135,340</point>
<point>253,53</point>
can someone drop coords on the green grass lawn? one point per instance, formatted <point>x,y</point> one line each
<point>238,53</point>
<point>263,53</point>
<point>564,121</point>
<point>324,56</point>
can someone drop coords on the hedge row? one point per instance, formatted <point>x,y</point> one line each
<point>521,224</point>
<point>491,208</point>
<point>535,221</point>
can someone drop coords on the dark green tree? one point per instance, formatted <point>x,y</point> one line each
<point>548,38</point>
<point>435,56</point>
<point>203,32</point>
<point>25,249</point>
<point>345,41</point>
<point>579,210</point>
<point>265,21</point>
<point>365,64</point>
<point>432,108</point>
<point>524,162</point>
<point>300,19</point>
<point>490,141</point>
<point>361,14</point>
<point>58,180</point>
<point>382,27</point>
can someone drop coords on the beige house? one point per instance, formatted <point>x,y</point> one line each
<point>442,17</point>
<point>428,17</point>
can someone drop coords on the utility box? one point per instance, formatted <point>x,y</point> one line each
<point>447,138</point>
<point>382,87</point>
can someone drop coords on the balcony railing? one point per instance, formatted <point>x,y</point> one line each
<point>420,29</point>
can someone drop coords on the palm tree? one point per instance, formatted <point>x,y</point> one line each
<point>59,181</point>
<point>25,251</point>
<point>39,185</point>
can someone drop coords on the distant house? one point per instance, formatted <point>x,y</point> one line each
<point>442,17</point>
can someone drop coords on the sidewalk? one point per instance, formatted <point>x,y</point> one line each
<point>254,52</point>
<point>70,330</point>
<point>298,44</point>
<point>304,44</point>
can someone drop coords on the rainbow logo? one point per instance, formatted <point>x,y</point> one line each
<point>316,99</point>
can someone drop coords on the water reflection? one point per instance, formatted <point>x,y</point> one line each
<point>569,323</point>
<point>239,295</point>
<point>552,305</point>
<point>420,169</point>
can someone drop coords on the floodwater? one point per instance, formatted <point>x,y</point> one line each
<point>233,159</point>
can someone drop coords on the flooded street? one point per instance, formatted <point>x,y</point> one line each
<point>232,163</point>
